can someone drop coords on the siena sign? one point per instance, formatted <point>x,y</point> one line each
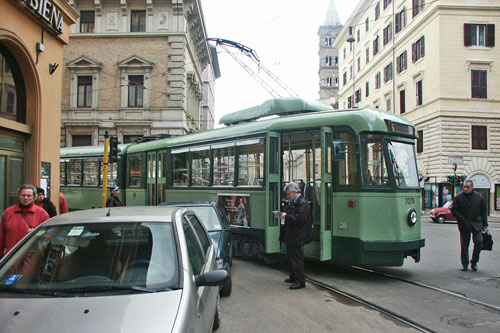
<point>48,12</point>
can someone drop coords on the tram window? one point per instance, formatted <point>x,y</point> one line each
<point>136,171</point>
<point>62,173</point>
<point>200,168</point>
<point>374,164</point>
<point>90,172</point>
<point>75,172</point>
<point>348,169</point>
<point>181,169</point>
<point>404,164</point>
<point>251,164</point>
<point>224,166</point>
<point>112,173</point>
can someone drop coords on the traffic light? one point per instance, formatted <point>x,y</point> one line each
<point>450,179</point>
<point>113,149</point>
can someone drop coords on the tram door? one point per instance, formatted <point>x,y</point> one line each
<point>326,194</point>
<point>273,193</point>
<point>151,182</point>
<point>161,177</point>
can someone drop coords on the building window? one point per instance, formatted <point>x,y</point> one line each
<point>389,104</point>
<point>328,41</point>
<point>329,81</point>
<point>375,46</point>
<point>418,49</point>
<point>400,20</point>
<point>367,88</point>
<point>419,93</point>
<point>401,62</point>
<point>349,102</point>
<point>377,81</point>
<point>387,34</point>
<point>420,141</point>
<point>135,90</point>
<point>417,6</point>
<point>350,72</point>
<point>336,61</point>
<point>138,21</point>
<point>479,84</point>
<point>359,64</point>
<point>11,99</point>
<point>367,24</point>
<point>81,140</point>
<point>328,61</point>
<point>87,20</point>
<point>386,3</point>
<point>388,73</point>
<point>377,11</point>
<point>84,98</point>
<point>344,78</point>
<point>479,137</point>
<point>357,96</point>
<point>359,35</point>
<point>402,101</point>
<point>479,34</point>
<point>367,54</point>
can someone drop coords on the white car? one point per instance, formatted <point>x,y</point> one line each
<point>125,269</point>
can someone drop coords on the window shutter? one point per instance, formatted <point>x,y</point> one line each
<point>422,46</point>
<point>467,34</point>
<point>413,52</point>
<point>490,32</point>
<point>483,84</point>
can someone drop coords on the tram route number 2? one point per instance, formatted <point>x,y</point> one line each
<point>410,201</point>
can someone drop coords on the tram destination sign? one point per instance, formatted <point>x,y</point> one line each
<point>47,12</point>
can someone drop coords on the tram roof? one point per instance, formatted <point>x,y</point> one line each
<point>88,150</point>
<point>359,120</point>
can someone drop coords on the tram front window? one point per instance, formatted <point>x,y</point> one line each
<point>404,165</point>
<point>375,171</point>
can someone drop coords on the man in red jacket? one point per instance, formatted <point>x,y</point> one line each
<point>19,219</point>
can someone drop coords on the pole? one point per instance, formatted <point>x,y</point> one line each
<point>105,170</point>
<point>454,184</point>
<point>353,75</point>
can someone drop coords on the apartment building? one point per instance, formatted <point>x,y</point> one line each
<point>328,56</point>
<point>134,68</point>
<point>434,62</point>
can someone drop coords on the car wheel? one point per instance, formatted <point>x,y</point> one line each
<point>440,219</point>
<point>225,290</point>
<point>216,324</point>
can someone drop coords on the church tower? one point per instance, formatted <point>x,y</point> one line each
<point>329,56</point>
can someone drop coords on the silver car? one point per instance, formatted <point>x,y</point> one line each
<point>128,269</point>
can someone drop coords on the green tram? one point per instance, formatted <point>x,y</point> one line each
<point>356,167</point>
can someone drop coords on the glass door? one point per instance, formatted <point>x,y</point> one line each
<point>273,191</point>
<point>326,194</point>
<point>151,181</point>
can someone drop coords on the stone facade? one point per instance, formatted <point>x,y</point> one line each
<point>436,65</point>
<point>133,68</point>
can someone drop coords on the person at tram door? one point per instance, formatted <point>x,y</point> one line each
<point>63,203</point>
<point>114,198</point>
<point>296,231</point>
<point>469,207</point>
<point>242,213</point>
<point>21,218</point>
<point>44,202</point>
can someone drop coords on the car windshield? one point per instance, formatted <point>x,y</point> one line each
<point>209,218</point>
<point>96,256</point>
<point>448,204</point>
<point>404,165</point>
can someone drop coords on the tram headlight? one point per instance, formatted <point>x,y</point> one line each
<point>412,217</point>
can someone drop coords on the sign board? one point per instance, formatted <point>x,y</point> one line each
<point>236,207</point>
<point>47,12</point>
<point>481,181</point>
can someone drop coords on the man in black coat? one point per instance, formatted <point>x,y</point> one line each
<point>114,198</point>
<point>44,202</point>
<point>469,207</point>
<point>296,231</point>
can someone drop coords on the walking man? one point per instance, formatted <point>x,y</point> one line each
<point>44,202</point>
<point>296,232</point>
<point>19,219</point>
<point>114,198</point>
<point>469,207</point>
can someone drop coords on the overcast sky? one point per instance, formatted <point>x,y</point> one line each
<point>283,33</point>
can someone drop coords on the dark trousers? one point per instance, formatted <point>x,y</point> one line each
<point>296,260</point>
<point>477,238</point>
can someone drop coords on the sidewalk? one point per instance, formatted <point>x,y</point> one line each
<point>493,218</point>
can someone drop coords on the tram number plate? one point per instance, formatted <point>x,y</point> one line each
<point>410,201</point>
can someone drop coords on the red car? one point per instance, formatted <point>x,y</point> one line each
<point>442,214</point>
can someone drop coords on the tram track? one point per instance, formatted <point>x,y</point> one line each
<point>426,286</point>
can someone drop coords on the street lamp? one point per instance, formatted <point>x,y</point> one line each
<point>351,39</point>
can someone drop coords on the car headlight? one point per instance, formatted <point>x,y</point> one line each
<point>412,217</point>
<point>220,263</point>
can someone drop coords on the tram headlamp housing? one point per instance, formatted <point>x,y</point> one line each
<point>412,217</point>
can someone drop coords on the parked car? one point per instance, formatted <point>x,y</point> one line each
<point>443,214</point>
<point>220,233</point>
<point>133,269</point>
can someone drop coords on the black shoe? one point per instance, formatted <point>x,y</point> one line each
<point>297,286</point>
<point>473,265</point>
<point>464,268</point>
<point>290,280</point>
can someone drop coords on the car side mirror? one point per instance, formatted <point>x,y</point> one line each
<point>213,278</point>
<point>338,153</point>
